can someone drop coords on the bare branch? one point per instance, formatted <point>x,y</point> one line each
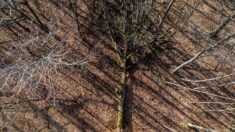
<point>199,54</point>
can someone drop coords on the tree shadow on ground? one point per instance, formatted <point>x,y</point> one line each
<point>90,101</point>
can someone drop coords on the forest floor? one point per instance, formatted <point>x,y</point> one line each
<point>84,97</point>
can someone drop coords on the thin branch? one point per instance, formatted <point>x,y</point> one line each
<point>221,26</point>
<point>208,79</point>
<point>164,17</point>
<point>220,110</point>
<point>198,91</point>
<point>190,125</point>
<point>199,54</point>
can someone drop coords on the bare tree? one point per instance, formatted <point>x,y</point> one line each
<point>134,34</point>
<point>24,69</point>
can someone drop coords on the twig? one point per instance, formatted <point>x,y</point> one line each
<point>209,79</point>
<point>198,91</point>
<point>199,54</point>
<point>190,125</point>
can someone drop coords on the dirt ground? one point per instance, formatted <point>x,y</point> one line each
<point>84,97</point>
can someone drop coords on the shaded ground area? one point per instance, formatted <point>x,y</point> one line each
<point>84,98</point>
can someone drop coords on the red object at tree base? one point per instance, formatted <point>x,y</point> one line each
<point>127,74</point>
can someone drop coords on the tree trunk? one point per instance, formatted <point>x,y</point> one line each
<point>121,99</point>
<point>125,104</point>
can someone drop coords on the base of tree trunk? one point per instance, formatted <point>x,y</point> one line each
<point>121,100</point>
<point>125,105</point>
